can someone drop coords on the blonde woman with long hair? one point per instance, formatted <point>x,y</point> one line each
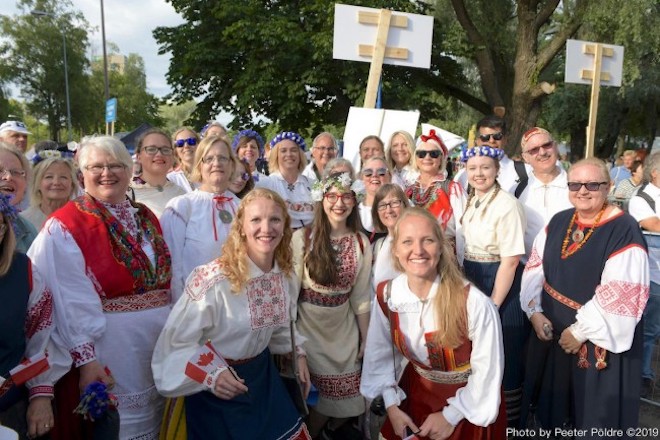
<point>449,332</point>
<point>242,304</point>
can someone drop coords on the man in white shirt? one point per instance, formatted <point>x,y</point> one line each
<point>546,192</point>
<point>324,149</point>
<point>644,208</point>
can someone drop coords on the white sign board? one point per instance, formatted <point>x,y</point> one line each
<point>577,61</point>
<point>450,139</point>
<point>349,34</point>
<point>363,122</point>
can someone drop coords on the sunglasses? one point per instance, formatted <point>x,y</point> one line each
<point>181,142</point>
<point>496,136</point>
<point>433,153</point>
<point>534,151</point>
<point>345,197</point>
<point>368,172</point>
<point>591,186</point>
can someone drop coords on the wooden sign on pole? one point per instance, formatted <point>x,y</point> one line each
<point>595,64</point>
<point>377,58</point>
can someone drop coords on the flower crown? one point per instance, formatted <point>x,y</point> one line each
<point>48,154</point>
<point>342,182</point>
<point>248,134</point>
<point>6,209</point>
<point>484,150</point>
<point>292,136</point>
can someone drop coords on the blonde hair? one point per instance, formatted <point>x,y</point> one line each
<point>449,304</point>
<point>203,148</point>
<point>7,247</point>
<point>443,157</point>
<point>273,160</point>
<point>593,161</point>
<point>40,170</point>
<point>234,258</point>
<point>411,148</point>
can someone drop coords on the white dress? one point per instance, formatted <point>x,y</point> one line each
<point>194,228</point>
<point>298,197</point>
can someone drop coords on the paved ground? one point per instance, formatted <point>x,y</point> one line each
<point>649,412</point>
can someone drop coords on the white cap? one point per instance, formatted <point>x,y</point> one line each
<point>16,126</point>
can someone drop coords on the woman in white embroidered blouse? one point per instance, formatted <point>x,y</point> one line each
<point>185,142</point>
<point>196,224</point>
<point>448,331</point>
<point>241,304</point>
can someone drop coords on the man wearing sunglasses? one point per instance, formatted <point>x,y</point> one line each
<point>324,149</point>
<point>491,132</point>
<point>546,192</point>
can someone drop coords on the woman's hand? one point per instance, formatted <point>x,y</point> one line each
<point>40,418</point>
<point>568,342</point>
<point>227,386</point>
<point>436,427</point>
<point>363,345</point>
<point>540,323</point>
<point>303,375</point>
<point>400,421</point>
<point>94,372</point>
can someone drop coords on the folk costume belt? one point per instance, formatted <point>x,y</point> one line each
<point>599,352</point>
<point>135,303</point>
<point>481,258</point>
<point>444,377</point>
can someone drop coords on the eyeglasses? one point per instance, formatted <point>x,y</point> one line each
<point>433,153</point>
<point>12,173</point>
<point>181,142</point>
<point>325,149</point>
<point>393,204</point>
<point>152,150</point>
<point>114,168</point>
<point>496,136</point>
<point>368,172</point>
<point>345,197</point>
<point>534,151</point>
<point>591,186</point>
<point>219,159</point>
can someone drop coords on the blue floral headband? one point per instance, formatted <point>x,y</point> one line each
<point>495,153</point>
<point>248,134</point>
<point>48,154</point>
<point>6,208</point>
<point>292,136</point>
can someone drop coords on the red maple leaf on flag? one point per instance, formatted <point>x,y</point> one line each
<point>205,359</point>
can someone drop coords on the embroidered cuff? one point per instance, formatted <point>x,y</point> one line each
<point>42,391</point>
<point>212,377</point>
<point>577,334</point>
<point>83,354</point>
<point>452,415</point>
<point>530,310</point>
<point>393,396</point>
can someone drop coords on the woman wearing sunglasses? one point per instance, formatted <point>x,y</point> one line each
<point>332,260</point>
<point>155,154</point>
<point>185,142</point>
<point>584,289</point>
<point>374,174</point>
<point>443,198</point>
<point>493,225</point>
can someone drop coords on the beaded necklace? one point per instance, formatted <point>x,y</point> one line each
<point>579,239</point>
<point>423,198</point>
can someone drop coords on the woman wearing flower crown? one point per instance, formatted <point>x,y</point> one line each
<point>584,289</point>
<point>493,225</point>
<point>433,191</point>
<point>333,262</point>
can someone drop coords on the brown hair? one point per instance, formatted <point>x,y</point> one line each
<point>234,258</point>
<point>153,130</point>
<point>450,302</point>
<point>384,191</point>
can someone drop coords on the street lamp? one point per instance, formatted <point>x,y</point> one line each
<point>37,13</point>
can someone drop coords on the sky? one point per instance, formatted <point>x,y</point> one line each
<point>128,24</point>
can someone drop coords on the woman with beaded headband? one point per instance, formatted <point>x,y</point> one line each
<point>493,226</point>
<point>248,146</point>
<point>584,289</point>
<point>25,328</point>
<point>287,162</point>
<point>332,260</point>
<point>196,224</point>
<point>433,191</point>
<point>184,141</point>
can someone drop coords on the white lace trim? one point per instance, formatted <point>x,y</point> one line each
<point>138,400</point>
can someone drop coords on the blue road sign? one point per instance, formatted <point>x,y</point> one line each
<point>111,110</point>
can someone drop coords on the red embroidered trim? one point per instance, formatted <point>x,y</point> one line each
<point>40,315</point>
<point>42,390</point>
<point>268,302</point>
<point>6,385</point>
<point>534,260</point>
<point>135,303</point>
<point>623,298</point>
<point>301,434</point>
<point>323,300</point>
<point>339,386</point>
<point>203,278</point>
<point>83,354</point>
<point>561,298</point>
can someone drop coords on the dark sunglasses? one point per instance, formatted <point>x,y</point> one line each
<point>433,153</point>
<point>368,172</point>
<point>181,142</point>
<point>534,151</point>
<point>496,136</point>
<point>591,186</point>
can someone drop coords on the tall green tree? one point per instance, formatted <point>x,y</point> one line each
<point>32,56</point>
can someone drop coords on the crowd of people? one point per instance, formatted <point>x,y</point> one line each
<point>174,287</point>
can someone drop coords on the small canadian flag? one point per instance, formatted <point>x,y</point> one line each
<point>29,368</point>
<point>205,360</point>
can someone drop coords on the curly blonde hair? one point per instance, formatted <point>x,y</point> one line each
<point>234,258</point>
